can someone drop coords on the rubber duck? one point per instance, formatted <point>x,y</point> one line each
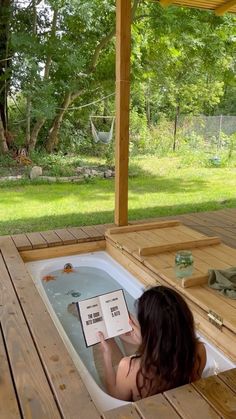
<point>68,267</point>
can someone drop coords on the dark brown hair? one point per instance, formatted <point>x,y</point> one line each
<point>167,351</point>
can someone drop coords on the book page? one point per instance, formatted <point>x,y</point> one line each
<point>115,313</point>
<point>92,320</point>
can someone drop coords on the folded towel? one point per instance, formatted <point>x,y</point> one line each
<point>224,281</point>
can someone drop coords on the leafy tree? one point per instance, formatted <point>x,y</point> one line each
<point>59,52</point>
<point>183,61</point>
<point>185,56</point>
<point>5,13</point>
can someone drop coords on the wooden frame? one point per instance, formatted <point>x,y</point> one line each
<point>123,42</point>
<point>221,10</point>
<point>30,346</point>
<point>123,47</point>
<point>166,3</point>
<point>172,247</point>
<point>220,7</point>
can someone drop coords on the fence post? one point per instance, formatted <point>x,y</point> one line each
<point>219,137</point>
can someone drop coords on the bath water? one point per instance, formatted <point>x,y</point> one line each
<point>67,288</point>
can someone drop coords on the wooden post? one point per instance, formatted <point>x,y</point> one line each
<point>166,3</point>
<point>123,42</point>
<point>225,7</point>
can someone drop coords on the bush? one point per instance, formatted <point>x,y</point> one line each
<point>139,133</point>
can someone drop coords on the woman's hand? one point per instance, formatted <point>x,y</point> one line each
<point>133,337</point>
<point>104,346</point>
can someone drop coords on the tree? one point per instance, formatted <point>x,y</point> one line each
<point>5,13</point>
<point>59,45</point>
<point>64,52</point>
<point>101,21</point>
<point>186,55</point>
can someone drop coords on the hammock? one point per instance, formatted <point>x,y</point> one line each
<point>102,136</point>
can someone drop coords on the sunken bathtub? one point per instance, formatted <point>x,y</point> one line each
<point>94,273</point>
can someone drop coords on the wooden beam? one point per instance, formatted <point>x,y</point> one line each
<point>174,246</point>
<point>193,281</point>
<point>59,251</point>
<point>166,3</point>
<point>141,227</point>
<point>123,45</point>
<point>221,10</point>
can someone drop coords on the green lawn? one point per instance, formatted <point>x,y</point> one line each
<point>157,187</point>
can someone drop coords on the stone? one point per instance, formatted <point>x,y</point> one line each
<point>79,170</point>
<point>35,172</point>
<point>87,171</point>
<point>95,171</point>
<point>108,173</point>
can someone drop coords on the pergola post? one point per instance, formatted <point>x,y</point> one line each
<point>123,47</point>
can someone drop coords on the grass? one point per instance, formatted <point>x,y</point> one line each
<point>157,187</point>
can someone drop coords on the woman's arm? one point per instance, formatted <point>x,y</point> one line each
<point>116,383</point>
<point>200,362</point>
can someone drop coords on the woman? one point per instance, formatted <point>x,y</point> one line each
<point>168,352</point>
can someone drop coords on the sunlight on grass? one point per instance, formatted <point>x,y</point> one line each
<point>157,187</point>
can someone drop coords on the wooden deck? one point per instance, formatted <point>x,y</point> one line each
<point>37,376</point>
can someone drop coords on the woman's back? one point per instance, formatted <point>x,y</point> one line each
<point>130,366</point>
<point>168,354</point>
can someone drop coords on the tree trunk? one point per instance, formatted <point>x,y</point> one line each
<point>148,107</point>
<point>5,12</point>
<point>28,121</point>
<point>34,133</point>
<point>40,122</point>
<point>176,126</point>
<point>52,139</point>
<point>29,98</point>
<point>3,141</point>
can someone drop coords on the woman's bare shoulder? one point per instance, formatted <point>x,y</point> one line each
<point>126,377</point>
<point>200,361</point>
<point>201,350</point>
<point>128,367</point>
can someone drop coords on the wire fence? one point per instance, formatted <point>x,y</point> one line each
<point>212,131</point>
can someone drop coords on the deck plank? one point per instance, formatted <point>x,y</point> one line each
<point>79,234</point>
<point>190,404</point>
<point>8,402</point>
<point>65,236</point>
<point>37,240</point>
<point>51,238</point>
<point>102,228</point>
<point>21,241</point>
<point>225,231</point>
<point>34,393</point>
<point>156,407</point>
<point>227,216</point>
<point>219,395</point>
<point>67,385</point>
<point>229,377</point>
<point>93,233</point>
<point>124,412</point>
<point>214,217</point>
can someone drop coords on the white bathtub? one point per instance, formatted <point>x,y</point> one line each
<point>107,267</point>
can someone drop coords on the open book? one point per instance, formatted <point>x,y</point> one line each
<point>106,313</point>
